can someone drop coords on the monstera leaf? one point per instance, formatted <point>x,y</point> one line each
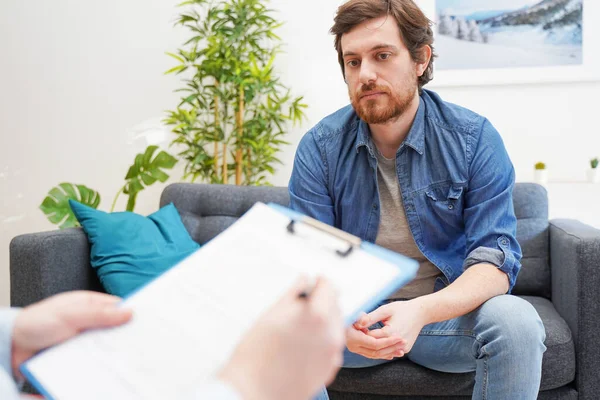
<point>56,204</point>
<point>146,170</point>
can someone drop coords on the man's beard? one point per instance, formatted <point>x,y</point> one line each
<point>385,108</point>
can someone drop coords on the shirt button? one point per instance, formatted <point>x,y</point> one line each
<point>374,206</point>
<point>450,206</point>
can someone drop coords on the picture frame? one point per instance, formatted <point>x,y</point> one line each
<point>587,70</point>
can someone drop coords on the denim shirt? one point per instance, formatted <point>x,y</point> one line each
<point>455,176</point>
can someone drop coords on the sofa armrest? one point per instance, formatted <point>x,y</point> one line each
<point>43,264</point>
<point>575,266</point>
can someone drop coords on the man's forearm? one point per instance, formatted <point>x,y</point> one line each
<point>474,287</point>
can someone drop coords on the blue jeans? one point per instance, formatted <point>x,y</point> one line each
<point>502,341</point>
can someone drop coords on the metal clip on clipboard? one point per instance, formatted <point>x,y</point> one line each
<point>352,240</point>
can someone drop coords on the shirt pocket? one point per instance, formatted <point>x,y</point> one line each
<point>443,204</point>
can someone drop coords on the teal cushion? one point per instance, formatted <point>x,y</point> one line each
<point>128,250</point>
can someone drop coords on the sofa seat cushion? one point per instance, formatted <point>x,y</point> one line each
<point>404,378</point>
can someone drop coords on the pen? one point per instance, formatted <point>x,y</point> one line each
<point>304,294</point>
<point>309,286</point>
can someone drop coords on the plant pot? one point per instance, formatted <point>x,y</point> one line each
<point>541,176</point>
<point>594,175</point>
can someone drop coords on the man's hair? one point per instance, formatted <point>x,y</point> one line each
<point>415,27</point>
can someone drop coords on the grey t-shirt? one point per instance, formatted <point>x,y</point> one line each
<point>394,233</point>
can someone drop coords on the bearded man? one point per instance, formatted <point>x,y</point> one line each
<point>404,169</point>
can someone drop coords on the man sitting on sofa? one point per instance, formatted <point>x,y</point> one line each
<point>404,169</point>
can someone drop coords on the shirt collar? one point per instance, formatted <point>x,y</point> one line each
<point>415,138</point>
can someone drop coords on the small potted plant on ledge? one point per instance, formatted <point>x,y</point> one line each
<point>541,173</point>
<point>593,173</point>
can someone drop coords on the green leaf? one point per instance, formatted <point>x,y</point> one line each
<point>190,99</point>
<point>56,204</point>
<point>187,18</point>
<point>146,170</point>
<point>178,69</point>
<point>194,39</point>
<point>175,56</point>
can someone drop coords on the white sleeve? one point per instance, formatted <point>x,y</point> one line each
<point>7,320</point>
<point>218,391</point>
<point>8,389</point>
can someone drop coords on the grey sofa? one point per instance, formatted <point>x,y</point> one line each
<point>560,277</point>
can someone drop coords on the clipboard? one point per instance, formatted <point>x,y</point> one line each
<point>407,267</point>
<point>188,321</point>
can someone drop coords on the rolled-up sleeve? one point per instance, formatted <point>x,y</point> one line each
<point>489,216</point>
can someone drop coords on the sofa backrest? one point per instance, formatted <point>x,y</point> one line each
<point>531,208</point>
<point>207,210</point>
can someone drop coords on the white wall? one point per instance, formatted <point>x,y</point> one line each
<point>77,76</point>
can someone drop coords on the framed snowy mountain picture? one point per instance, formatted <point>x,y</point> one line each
<point>482,42</point>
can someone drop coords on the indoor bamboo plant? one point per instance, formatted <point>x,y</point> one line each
<point>234,110</point>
